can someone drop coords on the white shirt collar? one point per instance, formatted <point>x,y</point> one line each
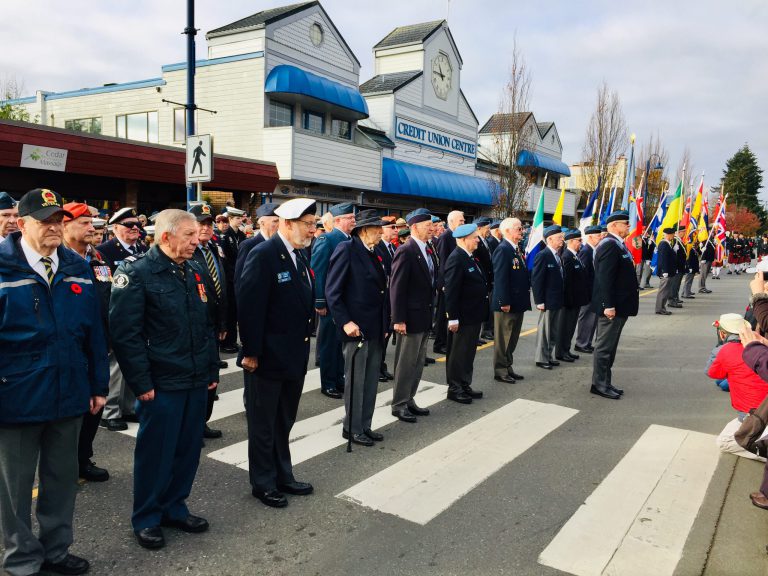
<point>553,251</point>
<point>33,257</point>
<point>126,246</point>
<point>289,247</point>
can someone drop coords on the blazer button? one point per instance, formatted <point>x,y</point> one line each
<point>306,339</point>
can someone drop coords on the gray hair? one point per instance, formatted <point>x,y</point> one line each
<point>169,221</point>
<point>508,223</point>
<point>453,218</point>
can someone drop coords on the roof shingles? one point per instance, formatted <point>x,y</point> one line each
<point>387,83</point>
<point>409,34</point>
<point>263,17</point>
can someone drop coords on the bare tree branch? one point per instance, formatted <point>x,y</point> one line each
<point>657,179</point>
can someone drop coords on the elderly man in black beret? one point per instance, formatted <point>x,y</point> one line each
<point>666,269</point>
<point>356,293</point>
<point>8,215</point>
<point>547,284</point>
<point>577,293</point>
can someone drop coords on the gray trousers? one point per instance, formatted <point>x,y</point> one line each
<point>705,267</point>
<point>688,284</point>
<point>567,326</point>
<point>645,277</point>
<point>546,336</point>
<point>665,285</point>
<point>674,290</point>
<point>462,347</point>
<point>507,327</point>
<point>606,342</point>
<point>587,323</point>
<point>120,399</point>
<point>365,383</point>
<point>410,351</point>
<point>55,444</point>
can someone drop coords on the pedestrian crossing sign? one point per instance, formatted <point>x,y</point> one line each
<point>199,158</point>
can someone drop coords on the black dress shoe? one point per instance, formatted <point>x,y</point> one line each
<point>404,415</point>
<point>506,378</point>
<point>70,564</point>
<point>583,350</point>
<point>414,409</point>
<point>361,439</point>
<point>474,394</point>
<point>383,378</point>
<point>428,360</point>
<point>487,336</point>
<point>563,359</point>
<point>151,538</point>
<point>376,436</point>
<point>481,342</point>
<point>223,364</point>
<point>691,297</point>
<point>335,394</point>
<point>618,391</point>
<point>388,375</point>
<point>515,375</point>
<point>664,313</point>
<point>607,393</point>
<point>92,473</point>
<point>545,365</point>
<point>113,424</point>
<point>230,349</point>
<point>296,488</point>
<point>211,433</point>
<point>271,498</point>
<point>571,355</point>
<point>191,524</point>
<point>440,350</point>
<point>459,397</point>
<point>674,305</point>
<point>554,363</point>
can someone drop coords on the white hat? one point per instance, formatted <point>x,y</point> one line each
<point>295,208</point>
<point>122,214</point>
<point>733,323</point>
<point>234,211</point>
<point>150,230</point>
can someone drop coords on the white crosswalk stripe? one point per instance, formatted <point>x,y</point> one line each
<point>639,517</point>
<point>423,485</point>
<point>313,436</point>
<point>231,403</point>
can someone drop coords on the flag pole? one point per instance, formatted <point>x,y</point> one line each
<point>661,203</point>
<point>717,216</point>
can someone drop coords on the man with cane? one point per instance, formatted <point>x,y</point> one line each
<point>356,293</point>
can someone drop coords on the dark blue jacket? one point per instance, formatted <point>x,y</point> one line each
<point>163,329</point>
<point>386,258</point>
<point>512,286</point>
<point>615,279</point>
<point>321,257</point>
<point>466,289</point>
<point>356,291</point>
<point>666,261</point>
<point>577,285</point>
<point>242,253</point>
<point>217,304</point>
<point>587,258</point>
<point>113,252</point>
<point>445,244</point>
<point>411,290</point>
<point>547,280</point>
<point>54,351</point>
<point>483,256</point>
<point>275,312</point>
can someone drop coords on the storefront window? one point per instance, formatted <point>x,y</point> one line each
<point>142,127</point>
<point>88,125</point>
<point>341,129</point>
<point>314,122</point>
<point>280,114</point>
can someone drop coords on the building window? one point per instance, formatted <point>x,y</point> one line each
<point>314,122</point>
<point>280,114</point>
<point>142,127</point>
<point>341,129</point>
<point>316,34</point>
<point>180,124</point>
<point>88,125</point>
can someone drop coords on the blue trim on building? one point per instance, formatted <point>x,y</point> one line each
<point>414,180</point>
<point>16,101</point>
<point>106,89</point>
<point>532,159</point>
<point>286,79</point>
<point>213,61</point>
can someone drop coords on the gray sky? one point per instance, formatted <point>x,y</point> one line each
<point>695,72</point>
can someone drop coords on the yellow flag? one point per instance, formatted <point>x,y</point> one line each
<point>557,218</point>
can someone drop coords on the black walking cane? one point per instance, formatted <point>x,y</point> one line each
<point>352,390</point>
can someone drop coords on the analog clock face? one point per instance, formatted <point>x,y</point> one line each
<point>442,75</point>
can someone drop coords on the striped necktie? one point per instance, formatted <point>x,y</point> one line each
<point>212,269</point>
<point>48,263</point>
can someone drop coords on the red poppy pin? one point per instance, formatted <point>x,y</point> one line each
<point>429,251</point>
<point>312,272</point>
<point>77,289</point>
<point>379,257</point>
<point>197,277</point>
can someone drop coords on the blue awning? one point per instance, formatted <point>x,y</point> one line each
<point>285,79</point>
<point>547,163</point>
<point>414,180</point>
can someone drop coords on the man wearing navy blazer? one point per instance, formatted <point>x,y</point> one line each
<point>445,244</point>
<point>483,255</point>
<point>511,299</point>
<point>357,296</point>
<point>615,297</point>
<point>666,269</point>
<point>577,293</point>
<point>328,343</point>
<point>411,292</point>
<point>587,323</point>
<point>547,284</point>
<point>268,221</point>
<point>466,305</point>
<point>275,312</point>
<point>385,249</point>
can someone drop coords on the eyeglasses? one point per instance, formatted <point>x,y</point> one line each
<point>309,225</point>
<point>129,224</point>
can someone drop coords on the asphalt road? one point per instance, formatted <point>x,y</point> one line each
<point>500,526</point>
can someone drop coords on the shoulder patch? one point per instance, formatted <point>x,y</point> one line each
<point>120,281</point>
